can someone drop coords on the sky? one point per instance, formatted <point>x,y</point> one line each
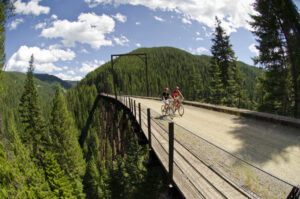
<point>71,38</point>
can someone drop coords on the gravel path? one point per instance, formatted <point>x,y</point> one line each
<point>271,147</point>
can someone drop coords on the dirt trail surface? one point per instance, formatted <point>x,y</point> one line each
<point>271,147</point>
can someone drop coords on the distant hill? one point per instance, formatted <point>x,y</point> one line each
<point>51,79</point>
<point>11,89</point>
<point>73,83</point>
<point>167,67</point>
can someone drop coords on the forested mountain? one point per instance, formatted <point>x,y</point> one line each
<point>11,88</point>
<point>167,67</point>
<point>53,79</point>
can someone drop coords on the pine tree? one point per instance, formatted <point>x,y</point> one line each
<point>34,134</point>
<point>65,143</point>
<point>225,60</point>
<point>6,9</point>
<point>216,87</point>
<point>56,178</point>
<point>273,57</point>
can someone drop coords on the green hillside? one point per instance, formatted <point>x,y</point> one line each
<point>11,88</point>
<point>168,67</point>
<point>53,79</point>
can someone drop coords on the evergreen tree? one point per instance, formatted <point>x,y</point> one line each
<point>225,60</point>
<point>34,134</point>
<point>65,143</point>
<point>216,87</point>
<point>6,9</point>
<point>56,178</point>
<point>273,41</point>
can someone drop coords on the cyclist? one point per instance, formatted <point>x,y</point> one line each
<point>175,95</point>
<point>165,98</point>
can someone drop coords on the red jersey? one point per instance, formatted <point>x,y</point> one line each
<point>175,93</point>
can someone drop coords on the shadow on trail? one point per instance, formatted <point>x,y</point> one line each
<point>264,141</point>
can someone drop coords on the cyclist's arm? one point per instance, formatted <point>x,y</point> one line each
<point>181,95</point>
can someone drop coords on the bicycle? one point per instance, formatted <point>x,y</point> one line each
<point>165,111</point>
<point>178,107</point>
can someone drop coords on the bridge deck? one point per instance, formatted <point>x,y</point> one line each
<point>203,170</point>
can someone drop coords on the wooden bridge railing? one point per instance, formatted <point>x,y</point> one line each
<point>198,168</point>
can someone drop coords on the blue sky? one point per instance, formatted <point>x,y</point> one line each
<point>70,38</point>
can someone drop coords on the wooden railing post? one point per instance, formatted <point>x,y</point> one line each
<point>149,128</point>
<point>130,104</point>
<point>134,110</point>
<point>140,116</point>
<point>171,150</point>
<point>294,194</point>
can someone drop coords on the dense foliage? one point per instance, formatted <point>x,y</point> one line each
<point>227,85</point>
<point>277,27</point>
<point>167,67</point>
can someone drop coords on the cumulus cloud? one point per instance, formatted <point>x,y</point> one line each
<point>253,49</point>
<point>137,23</point>
<point>233,13</point>
<point>88,29</point>
<point>122,41</point>
<point>159,18</point>
<point>14,24</point>
<point>185,20</point>
<point>53,17</point>
<point>40,25</point>
<point>94,3</point>
<point>43,59</point>
<point>89,66</point>
<point>138,44</point>
<point>198,51</point>
<point>31,7</point>
<point>120,17</point>
<point>64,76</point>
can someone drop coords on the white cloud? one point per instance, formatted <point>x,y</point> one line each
<point>199,38</point>
<point>84,51</point>
<point>31,7</point>
<point>71,72</point>
<point>233,13</point>
<point>90,66</point>
<point>159,18</point>
<point>53,17</point>
<point>43,59</point>
<point>198,51</point>
<point>253,49</point>
<point>137,23</point>
<point>120,17</point>
<point>68,77</point>
<point>65,67</point>
<point>88,29</point>
<point>40,25</point>
<point>94,3</point>
<point>14,24</point>
<point>122,40</point>
<point>185,20</point>
<point>138,44</point>
<point>198,33</point>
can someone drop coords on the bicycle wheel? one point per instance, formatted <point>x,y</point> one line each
<point>180,110</point>
<point>163,110</point>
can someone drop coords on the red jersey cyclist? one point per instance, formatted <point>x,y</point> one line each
<point>175,95</point>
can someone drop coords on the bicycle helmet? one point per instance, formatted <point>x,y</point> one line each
<point>177,87</point>
<point>166,89</point>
